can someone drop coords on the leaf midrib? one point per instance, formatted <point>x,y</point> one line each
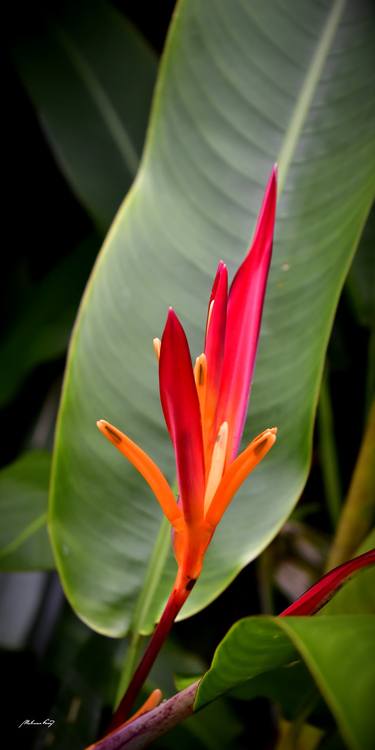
<point>307,93</point>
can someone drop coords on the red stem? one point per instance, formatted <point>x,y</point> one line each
<point>321,592</point>
<point>172,608</point>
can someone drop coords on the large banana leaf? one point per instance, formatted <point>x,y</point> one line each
<point>242,84</point>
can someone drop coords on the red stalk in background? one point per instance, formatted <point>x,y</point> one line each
<point>323,590</point>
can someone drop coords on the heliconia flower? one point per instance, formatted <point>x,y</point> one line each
<point>205,407</point>
<point>205,410</point>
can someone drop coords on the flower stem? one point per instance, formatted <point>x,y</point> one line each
<point>265,581</point>
<point>328,453</point>
<point>172,608</point>
<point>142,610</point>
<point>359,507</point>
<point>144,730</point>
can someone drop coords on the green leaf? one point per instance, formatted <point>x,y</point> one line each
<point>41,328</point>
<point>336,650</point>
<point>240,86</point>
<point>24,543</point>
<point>90,76</point>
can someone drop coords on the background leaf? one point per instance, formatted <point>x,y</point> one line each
<point>240,86</point>
<point>90,76</point>
<point>290,686</point>
<point>41,329</point>
<point>24,543</point>
<point>334,650</point>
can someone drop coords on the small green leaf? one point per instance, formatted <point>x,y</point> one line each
<point>253,646</point>
<point>24,543</point>
<point>338,652</point>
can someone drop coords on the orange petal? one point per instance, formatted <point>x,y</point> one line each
<point>237,473</point>
<point>146,466</point>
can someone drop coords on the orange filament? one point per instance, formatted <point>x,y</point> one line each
<point>200,376</point>
<point>209,315</point>
<point>156,344</point>
<point>237,473</point>
<point>217,465</point>
<point>148,469</point>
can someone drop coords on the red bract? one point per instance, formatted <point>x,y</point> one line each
<point>244,314</point>
<point>180,404</point>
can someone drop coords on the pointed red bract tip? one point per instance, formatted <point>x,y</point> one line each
<point>180,405</point>
<point>215,331</point>
<point>244,314</point>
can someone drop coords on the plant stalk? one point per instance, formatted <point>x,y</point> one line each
<point>148,727</point>
<point>359,507</point>
<point>328,453</point>
<point>176,599</point>
<point>150,585</point>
